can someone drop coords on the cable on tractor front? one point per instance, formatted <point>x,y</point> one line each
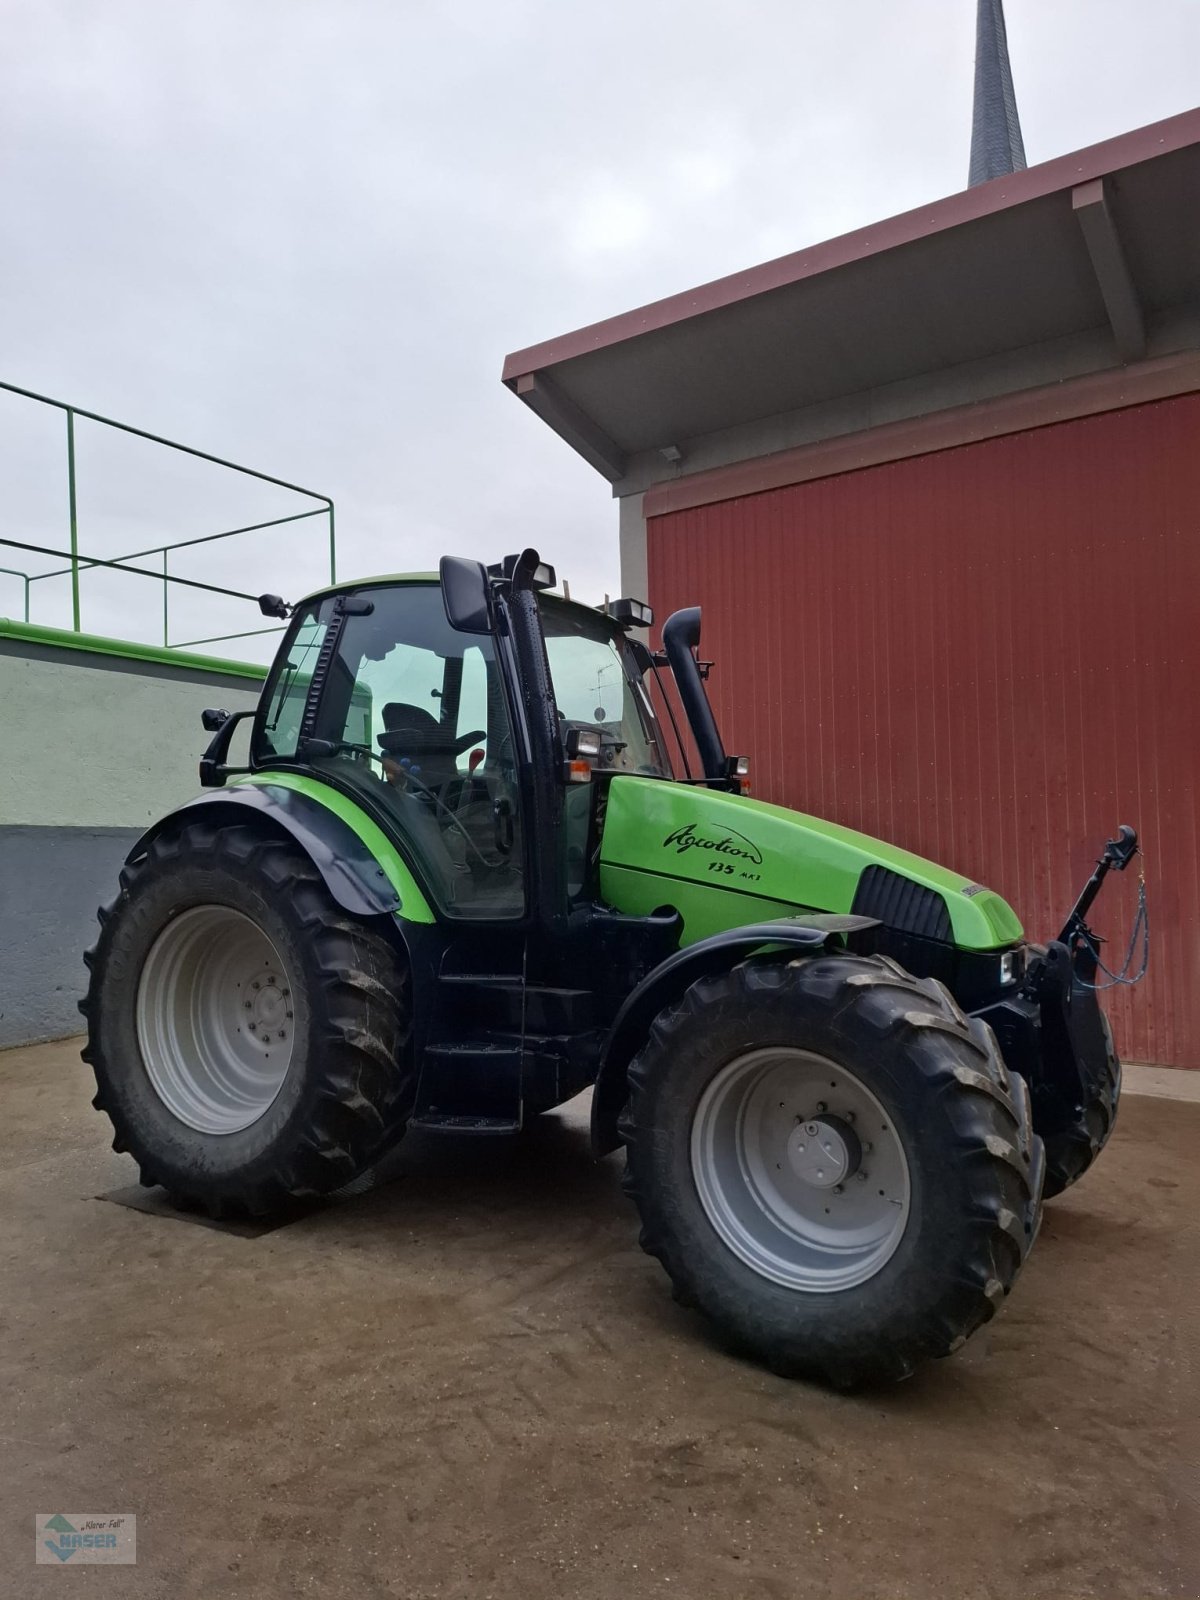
<point>1118,853</point>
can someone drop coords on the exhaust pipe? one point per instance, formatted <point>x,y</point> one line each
<point>680,636</point>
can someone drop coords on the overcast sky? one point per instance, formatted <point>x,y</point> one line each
<point>304,233</point>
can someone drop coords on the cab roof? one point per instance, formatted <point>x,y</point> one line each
<point>400,578</point>
<point>369,583</point>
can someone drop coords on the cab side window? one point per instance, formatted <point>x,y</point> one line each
<point>279,731</point>
<point>421,721</point>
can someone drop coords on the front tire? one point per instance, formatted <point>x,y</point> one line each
<point>833,1164</point>
<point>249,1038</point>
<point>1072,1146</point>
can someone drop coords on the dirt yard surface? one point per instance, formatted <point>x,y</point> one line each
<point>472,1383</point>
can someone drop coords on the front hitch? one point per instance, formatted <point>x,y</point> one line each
<point>1061,982</point>
<point>1118,853</point>
<point>1052,1030</point>
<point>1069,963</point>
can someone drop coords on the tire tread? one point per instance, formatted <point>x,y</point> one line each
<point>359,1026</point>
<point>955,1059</point>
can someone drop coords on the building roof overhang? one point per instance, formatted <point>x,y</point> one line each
<point>1080,265</point>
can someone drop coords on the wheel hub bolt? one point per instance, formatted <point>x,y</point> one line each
<point>861,1176</point>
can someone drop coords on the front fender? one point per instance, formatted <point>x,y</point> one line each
<point>351,871</point>
<point>672,978</point>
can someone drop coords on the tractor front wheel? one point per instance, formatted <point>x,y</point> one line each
<point>833,1163</point>
<point>1078,1138</point>
<point>249,1038</point>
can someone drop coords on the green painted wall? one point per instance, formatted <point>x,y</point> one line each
<point>94,739</point>
<point>99,739</point>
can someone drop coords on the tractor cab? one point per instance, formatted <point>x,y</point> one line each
<point>423,720</point>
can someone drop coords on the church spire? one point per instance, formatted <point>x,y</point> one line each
<point>996,145</point>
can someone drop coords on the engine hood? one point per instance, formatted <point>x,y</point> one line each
<point>725,859</point>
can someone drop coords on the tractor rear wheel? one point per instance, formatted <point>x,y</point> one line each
<point>249,1038</point>
<point>832,1163</point>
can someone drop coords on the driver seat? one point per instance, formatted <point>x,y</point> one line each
<point>414,733</point>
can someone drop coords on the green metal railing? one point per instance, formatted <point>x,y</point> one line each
<point>77,562</point>
<point>16,572</point>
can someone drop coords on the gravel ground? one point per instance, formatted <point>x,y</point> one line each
<point>472,1383</point>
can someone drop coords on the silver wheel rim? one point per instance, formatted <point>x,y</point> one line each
<point>799,1170</point>
<point>215,1019</point>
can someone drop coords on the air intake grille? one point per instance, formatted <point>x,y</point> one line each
<point>902,904</point>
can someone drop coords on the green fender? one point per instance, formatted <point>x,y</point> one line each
<point>783,937</point>
<point>361,868</point>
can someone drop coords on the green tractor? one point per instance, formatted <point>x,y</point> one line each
<point>460,881</point>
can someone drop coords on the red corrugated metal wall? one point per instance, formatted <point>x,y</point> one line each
<point>989,655</point>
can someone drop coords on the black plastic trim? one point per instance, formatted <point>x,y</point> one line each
<point>899,903</point>
<point>352,875</point>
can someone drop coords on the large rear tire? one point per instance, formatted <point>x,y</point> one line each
<point>250,1039</point>
<point>832,1163</point>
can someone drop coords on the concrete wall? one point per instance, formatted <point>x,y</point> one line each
<point>635,578</point>
<point>94,745</point>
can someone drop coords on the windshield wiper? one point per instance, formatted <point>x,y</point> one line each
<point>285,684</point>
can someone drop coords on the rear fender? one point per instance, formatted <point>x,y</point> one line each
<point>351,873</point>
<point>669,981</point>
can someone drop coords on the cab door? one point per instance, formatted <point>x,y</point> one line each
<point>411,719</point>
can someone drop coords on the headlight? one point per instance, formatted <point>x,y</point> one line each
<point>1011,966</point>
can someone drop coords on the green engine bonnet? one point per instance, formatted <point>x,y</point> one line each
<point>724,859</point>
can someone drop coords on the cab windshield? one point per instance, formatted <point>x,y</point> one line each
<point>597,684</point>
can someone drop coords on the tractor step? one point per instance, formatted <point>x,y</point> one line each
<point>499,1076</point>
<point>495,1052</point>
<point>447,1122</point>
<point>471,1081</point>
<point>501,1000</point>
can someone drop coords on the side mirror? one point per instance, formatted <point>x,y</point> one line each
<point>466,594</point>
